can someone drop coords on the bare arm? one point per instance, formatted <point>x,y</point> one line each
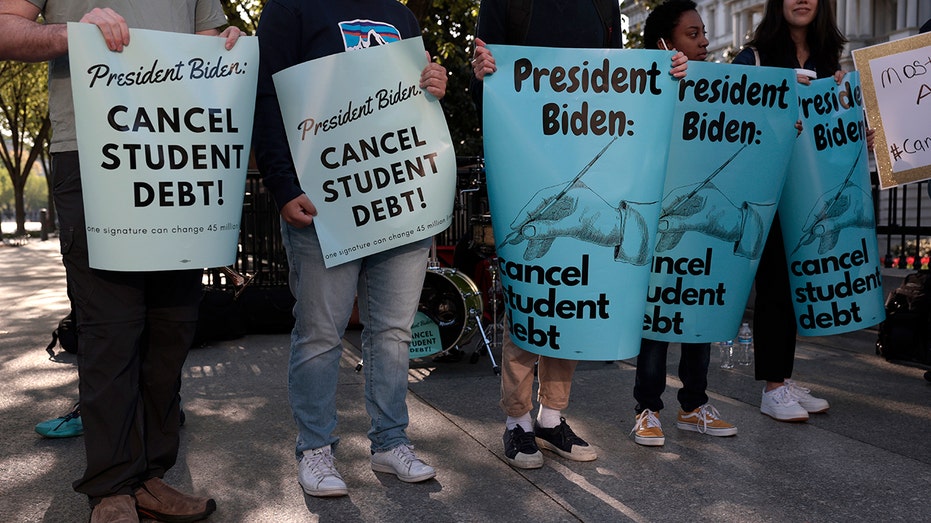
<point>29,41</point>
<point>26,40</point>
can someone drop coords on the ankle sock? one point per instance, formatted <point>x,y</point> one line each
<point>524,421</point>
<point>547,417</point>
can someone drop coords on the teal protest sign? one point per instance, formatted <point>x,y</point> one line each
<point>371,149</point>
<point>732,137</point>
<point>575,156</point>
<point>425,337</point>
<point>163,130</point>
<point>826,214</point>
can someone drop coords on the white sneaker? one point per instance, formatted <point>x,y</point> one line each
<point>402,462</point>
<point>317,474</point>
<point>780,405</point>
<point>804,398</point>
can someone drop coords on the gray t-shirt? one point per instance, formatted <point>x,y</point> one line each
<point>179,16</point>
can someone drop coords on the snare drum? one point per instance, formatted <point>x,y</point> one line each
<point>451,300</point>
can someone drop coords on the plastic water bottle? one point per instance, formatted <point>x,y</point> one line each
<point>744,344</point>
<point>727,354</point>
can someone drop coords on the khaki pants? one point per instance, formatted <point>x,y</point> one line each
<point>554,375</point>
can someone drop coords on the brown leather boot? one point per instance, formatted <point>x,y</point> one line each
<point>115,509</point>
<point>156,500</point>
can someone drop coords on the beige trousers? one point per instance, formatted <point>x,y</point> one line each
<point>554,375</point>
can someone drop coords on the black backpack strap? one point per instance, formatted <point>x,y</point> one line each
<point>518,21</point>
<point>605,10</point>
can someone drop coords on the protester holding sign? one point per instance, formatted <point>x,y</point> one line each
<point>134,328</point>
<point>546,23</point>
<point>799,34</point>
<point>388,283</point>
<point>675,24</point>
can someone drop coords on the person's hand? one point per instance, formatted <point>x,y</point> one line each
<point>232,34</point>
<point>870,138</point>
<point>798,127</point>
<point>112,26</point>
<point>836,210</point>
<point>839,76</point>
<point>299,212</point>
<point>579,213</point>
<point>708,211</point>
<point>433,78</point>
<point>680,63</point>
<point>483,63</point>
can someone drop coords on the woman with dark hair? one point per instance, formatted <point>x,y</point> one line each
<point>800,34</point>
<point>677,25</point>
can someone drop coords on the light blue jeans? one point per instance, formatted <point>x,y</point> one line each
<point>388,285</point>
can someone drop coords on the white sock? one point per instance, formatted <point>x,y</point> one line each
<point>524,421</point>
<point>548,418</point>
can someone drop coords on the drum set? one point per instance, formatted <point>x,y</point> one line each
<point>466,298</point>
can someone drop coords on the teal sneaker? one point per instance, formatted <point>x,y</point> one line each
<point>67,426</point>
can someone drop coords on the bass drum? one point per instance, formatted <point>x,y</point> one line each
<point>451,299</point>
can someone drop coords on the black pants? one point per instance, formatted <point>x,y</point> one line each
<point>134,332</point>
<point>651,375</point>
<point>774,326</point>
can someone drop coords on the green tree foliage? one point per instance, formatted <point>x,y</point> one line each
<point>35,193</point>
<point>24,126</point>
<point>448,32</point>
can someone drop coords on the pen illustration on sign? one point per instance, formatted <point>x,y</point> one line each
<point>847,206</point>
<point>574,210</point>
<point>704,209</point>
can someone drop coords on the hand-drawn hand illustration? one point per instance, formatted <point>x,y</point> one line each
<point>843,206</point>
<point>580,213</point>
<point>703,208</point>
<point>708,211</point>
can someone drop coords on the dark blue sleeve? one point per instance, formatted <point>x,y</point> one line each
<point>616,42</point>
<point>745,57</point>
<point>279,34</point>
<point>491,29</point>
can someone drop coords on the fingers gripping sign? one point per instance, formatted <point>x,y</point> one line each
<point>112,26</point>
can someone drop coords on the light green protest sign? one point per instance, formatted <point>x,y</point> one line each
<point>372,151</point>
<point>163,130</point>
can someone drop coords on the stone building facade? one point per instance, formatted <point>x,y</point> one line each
<point>865,22</point>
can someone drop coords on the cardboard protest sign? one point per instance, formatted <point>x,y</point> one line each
<point>372,153</point>
<point>575,156</point>
<point>164,130</point>
<point>897,96</point>
<point>826,213</point>
<point>732,136</point>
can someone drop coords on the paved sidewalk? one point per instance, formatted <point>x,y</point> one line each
<point>867,459</point>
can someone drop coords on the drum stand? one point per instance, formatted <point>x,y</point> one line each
<point>494,365</point>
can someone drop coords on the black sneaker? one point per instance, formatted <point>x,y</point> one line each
<point>561,440</point>
<point>521,450</point>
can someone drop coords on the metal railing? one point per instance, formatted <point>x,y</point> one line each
<point>903,225</point>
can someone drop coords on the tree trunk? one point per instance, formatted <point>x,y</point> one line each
<point>20,206</point>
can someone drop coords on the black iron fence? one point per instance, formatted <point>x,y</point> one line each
<point>903,225</point>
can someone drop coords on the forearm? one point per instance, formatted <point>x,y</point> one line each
<point>29,41</point>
